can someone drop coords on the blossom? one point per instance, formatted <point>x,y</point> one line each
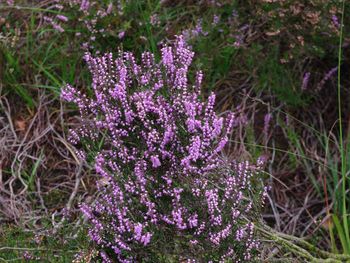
<point>121,35</point>
<point>305,81</point>
<point>62,18</point>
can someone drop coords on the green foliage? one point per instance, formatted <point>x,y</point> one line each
<point>44,247</point>
<point>276,77</point>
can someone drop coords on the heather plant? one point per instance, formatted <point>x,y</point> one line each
<point>304,36</point>
<point>88,20</point>
<point>156,140</point>
<point>219,24</point>
<point>93,18</point>
<point>219,36</point>
<point>304,28</point>
<point>165,188</point>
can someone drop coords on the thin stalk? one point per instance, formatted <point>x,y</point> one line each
<point>341,145</point>
<point>286,151</point>
<point>300,247</point>
<point>33,9</point>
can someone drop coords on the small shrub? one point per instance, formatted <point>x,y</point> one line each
<point>165,190</point>
<point>303,28</point>
<point>88,20</point>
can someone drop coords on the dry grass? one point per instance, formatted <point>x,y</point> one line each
<point>40,174</point>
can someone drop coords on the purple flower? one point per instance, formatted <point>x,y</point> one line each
<point>84,5</point>
<point>335,21</point>
<point>154,20</point>
<point>326,77</point>
<point>267,120</point>
<point>109,8</point>
<point>121,35</point>
<point>27,256</point>
<point>57,27</point>
<point>216,20</point>
<point>155,161</point>
<point>305,80</point>
<point>62,18</point>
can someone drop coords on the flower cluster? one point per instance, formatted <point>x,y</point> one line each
<point>157,150</point>
<point>91,19</point>
<point>230,25</point>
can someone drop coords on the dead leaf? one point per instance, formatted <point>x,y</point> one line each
<point>273,33</point>
<point>327,223</point>
<point>301,40</point>
<point>20,125</point>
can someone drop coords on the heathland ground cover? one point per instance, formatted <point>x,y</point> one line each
<point>174,131</point>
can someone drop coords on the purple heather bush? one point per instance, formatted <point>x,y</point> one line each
<point>90,19</point>
<point>165,189</point>
<point>95,18</point>
<point>231,25</point>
